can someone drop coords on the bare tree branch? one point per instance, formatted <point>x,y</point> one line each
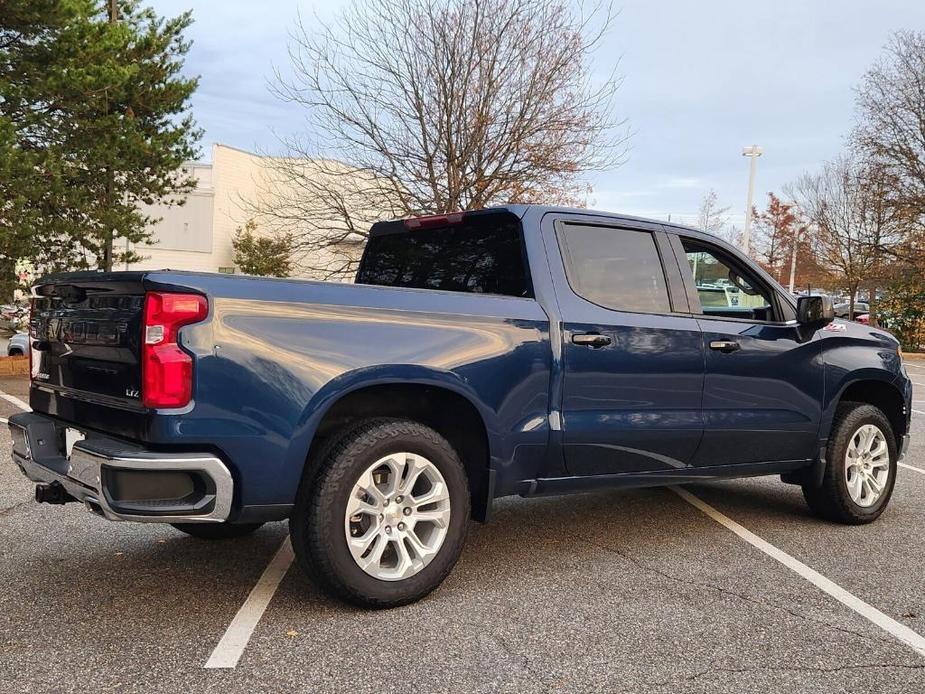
<point>437,106</point>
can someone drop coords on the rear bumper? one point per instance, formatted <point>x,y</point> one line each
<point>121,481</point>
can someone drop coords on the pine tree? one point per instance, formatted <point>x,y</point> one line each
<point>262,255</point>
<point>94,119</point>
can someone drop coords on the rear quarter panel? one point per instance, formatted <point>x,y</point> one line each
<point>275,354</point>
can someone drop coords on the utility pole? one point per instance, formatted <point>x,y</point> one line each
<point>752,153</point>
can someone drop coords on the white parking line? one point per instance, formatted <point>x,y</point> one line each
<point>16,401</point>
<point>229,650</point>
<point>888,624</point>
<point>236,636</point>
<point>911,467</point>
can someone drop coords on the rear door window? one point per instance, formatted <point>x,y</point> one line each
<point>618,269</point>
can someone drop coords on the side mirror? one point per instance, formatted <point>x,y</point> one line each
<point>815,311</point>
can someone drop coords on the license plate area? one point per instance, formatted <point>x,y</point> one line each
<point>71,436</point>
<point>83,468</point>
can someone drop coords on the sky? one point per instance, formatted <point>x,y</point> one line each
<point>700,81</point>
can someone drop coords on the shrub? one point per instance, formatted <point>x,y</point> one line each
<point>262,255</point>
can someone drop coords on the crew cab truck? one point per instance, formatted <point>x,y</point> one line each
<point>521,350</point>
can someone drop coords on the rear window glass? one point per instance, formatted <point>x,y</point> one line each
<point>482,255</point>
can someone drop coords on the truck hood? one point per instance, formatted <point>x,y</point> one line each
<point>852,329</point>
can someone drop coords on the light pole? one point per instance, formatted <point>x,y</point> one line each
<point>793,255</point>
<point>752,152</point>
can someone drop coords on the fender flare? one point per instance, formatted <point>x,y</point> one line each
<point>351,381</point>
<point>850,379</point>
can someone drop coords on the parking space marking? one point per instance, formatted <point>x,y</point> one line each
<point>888,624</point>
<point>232,644</point>
<point>911,467</point>
<point>16,401</point>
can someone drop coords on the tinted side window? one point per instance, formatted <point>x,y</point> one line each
<point>484,255</point>
<point>614,268</point>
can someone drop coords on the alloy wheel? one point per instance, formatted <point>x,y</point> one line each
<point>867,465</point>
<point>397,516</point>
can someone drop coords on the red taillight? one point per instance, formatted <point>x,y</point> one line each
<point>437,220</point>
<point>166,370</point>
<point>31,332</point>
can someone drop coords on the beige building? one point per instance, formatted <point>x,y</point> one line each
<point>198,235</point>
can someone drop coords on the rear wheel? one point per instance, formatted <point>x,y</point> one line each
<point>860,469</point>
<point>384,520</point>
<point>216,531</point>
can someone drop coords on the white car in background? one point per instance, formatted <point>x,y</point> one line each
<point>18,345</point>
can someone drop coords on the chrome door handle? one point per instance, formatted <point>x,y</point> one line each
<point>725,345</point>
<point>591,339</point>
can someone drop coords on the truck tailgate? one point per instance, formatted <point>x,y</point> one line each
<point>86,337</point>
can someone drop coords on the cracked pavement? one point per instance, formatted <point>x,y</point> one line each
<point>616,591</point>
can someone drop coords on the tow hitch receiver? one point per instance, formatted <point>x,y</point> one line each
<point>52,493</point>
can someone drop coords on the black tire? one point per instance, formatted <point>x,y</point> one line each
<point>216,531</point>
<point>317,522</point>
<point>15,353</point>
<point>832,500</point>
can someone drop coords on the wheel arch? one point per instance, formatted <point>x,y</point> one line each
<point>874,390</point>
<point>436,399</point>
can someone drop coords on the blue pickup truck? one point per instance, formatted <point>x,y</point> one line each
<point>522,350</point>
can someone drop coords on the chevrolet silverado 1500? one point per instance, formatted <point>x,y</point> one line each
<point>523,350</point>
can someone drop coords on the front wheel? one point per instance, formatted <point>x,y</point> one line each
<point>384,520</point>
<point>860,468</point>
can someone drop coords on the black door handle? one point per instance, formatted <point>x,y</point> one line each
<point>591,339</point>
<point>724,345</point>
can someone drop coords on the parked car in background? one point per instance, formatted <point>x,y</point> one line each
<point>18,345</point>
<point>863,319</point>
<point>842,310</point>
<point>711,295</point>
<point>13,317</point>
<point>524,350</point>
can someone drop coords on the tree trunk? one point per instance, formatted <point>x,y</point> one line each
<point>853,293</point>
<point>113,12</point>
<point>872,305</point>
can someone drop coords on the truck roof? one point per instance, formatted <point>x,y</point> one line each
<point>520,210</point>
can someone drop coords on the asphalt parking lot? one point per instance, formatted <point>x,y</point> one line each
<point>612,591</point>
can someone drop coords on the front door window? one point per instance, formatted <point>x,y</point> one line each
<point>723,289</point>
